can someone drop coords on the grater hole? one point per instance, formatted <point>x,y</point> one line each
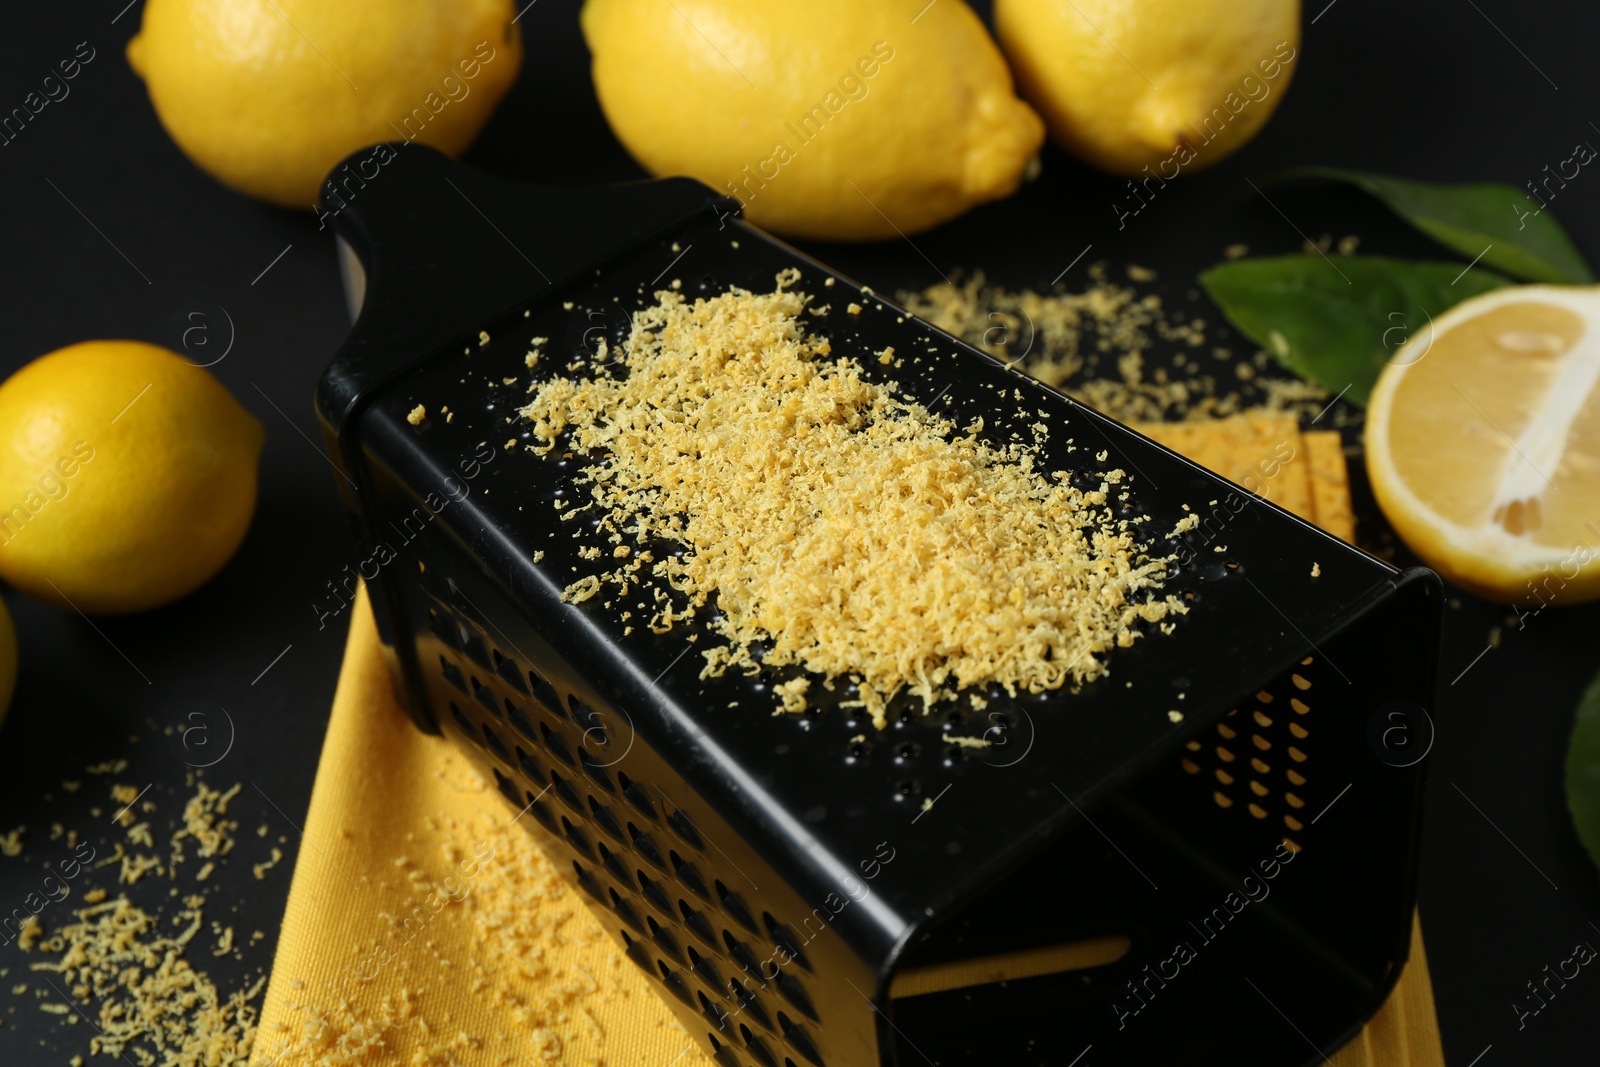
<point>1223,776</point>
<point>687,874</point>
<point>679,988</point>
<point>1261,766</point>
<point>749,1003</point>
<point>1264,696</point>
<point>1262,721</point>
<point>558,748</point>
<point>1300,682</point>
<point>497,746</point>
<point>713,1012</point>
<point>519,721</point>
<point>654,893</point>
<point>485,696</point>
<point>1293,823</point>
<point>744,959</point>
<point>576,838</point>
<point>1227,731</point>
<point>1299,731</point>
<point>705,969</point>
<point>908,788</point>
<point>679,823</point>
<point>452,674</point>
<point>473,646</point>
<point>664,940</point>
<point>1190,766</point>
<point>723,1054</point>
<point>1193,746</point>
<point>1223,800</point>
<point>544,692</point>
<point>596,772</point>
<point>697,923</point>
<point>625,911</point>
<point>645,846</point>
<point>1294,801</point>
<point>466,725</point>
<point>605,820</point>
<point>1257,788</point>
<point>529,766</point>
<point>1257,810</point>
<point>635,795</point>
<point>507,787</point>
<point>1296,755</point>
<point>906,751</point>
<point>1225,755</point>
<point>1295,777</point>
<point>1300,706</point>
<point>754,1044</point>
<point>565,792</point>
<point>541,813</point>
<point>783,937</point>
<point>507,669</point>
<point>635,950</point>
<point>798,1040</point>
<point>613,862</point>
<point>1260,742</point>
<point>588,883</point>
<point>583,714</point>
<point>734,905</point>
<point>795,994</point>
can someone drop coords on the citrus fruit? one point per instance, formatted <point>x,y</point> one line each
<point>831,119</point>
<point>268,95</point>
<point>1483,444</point>
<point>1151,88</point>
<point>127,476</point>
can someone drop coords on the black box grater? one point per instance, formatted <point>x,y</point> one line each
<point>1210,853</point>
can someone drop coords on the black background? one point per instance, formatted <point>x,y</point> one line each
<point>1451,90</point>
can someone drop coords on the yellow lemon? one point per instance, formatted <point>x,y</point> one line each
<point>1483,444</point>
<point>1151,87</point>
<point>833,118</point>
<point>268,95</point>
<point>127,476</point>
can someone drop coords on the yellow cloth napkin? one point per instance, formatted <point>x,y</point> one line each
<point>424,928</point>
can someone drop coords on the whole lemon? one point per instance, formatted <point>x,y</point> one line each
<point>268,95</point>
<point>1151,87</point>
<point>832,119</point>
<point>127,476</point>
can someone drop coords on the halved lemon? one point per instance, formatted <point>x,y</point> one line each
<point>1483,444</point>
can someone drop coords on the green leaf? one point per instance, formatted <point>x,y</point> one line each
<point>1506,225</point>
<point>1583,771</point>
<point>1337,321</point>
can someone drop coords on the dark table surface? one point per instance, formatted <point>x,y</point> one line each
<point>109,232</point>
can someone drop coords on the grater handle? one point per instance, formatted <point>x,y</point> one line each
<point>430,249</point>
<point>441,246</point>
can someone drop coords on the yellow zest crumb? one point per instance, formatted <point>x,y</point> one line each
<point>1316,570</point>
<point>1175,716</point>
<point>260,869</point>
<point>965,742</point>
<point>854,309</point>
<point>483,338</point>
<point>416,415</point>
